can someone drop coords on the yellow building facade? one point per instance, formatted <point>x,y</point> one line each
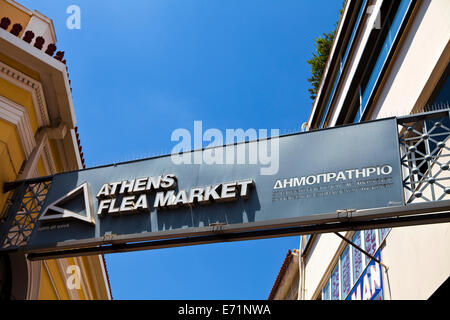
<point>38,138</point>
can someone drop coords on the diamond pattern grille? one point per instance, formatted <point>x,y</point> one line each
<point>425,156</point>
<point>23,221</point>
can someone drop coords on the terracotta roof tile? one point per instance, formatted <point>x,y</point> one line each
<point>281,274</point>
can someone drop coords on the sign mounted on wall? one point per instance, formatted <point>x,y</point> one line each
<point>322,177</point>
<point>370,284</point>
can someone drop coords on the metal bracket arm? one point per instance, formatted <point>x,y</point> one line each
<point>361,249</point>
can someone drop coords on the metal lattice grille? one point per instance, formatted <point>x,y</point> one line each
<point>23,222</point>
<point>425,156</point>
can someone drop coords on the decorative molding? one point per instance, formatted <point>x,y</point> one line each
<point>62,155</point>
<point>95,283</point>
<point>51,280</point>
<point>105,279</point>
<point>101,284</point>
<point>47,158</point>
<point>34,279</point>
<point>63,265</point>
<point>34,87</point>
<point>84,279</point>
<point>18,116</point>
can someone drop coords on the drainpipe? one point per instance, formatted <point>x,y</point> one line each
<point>301,292</point>
<point>301,270</point>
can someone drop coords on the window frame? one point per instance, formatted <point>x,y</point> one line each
<point>365,262</point>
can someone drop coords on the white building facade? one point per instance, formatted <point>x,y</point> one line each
<point>389,58</point>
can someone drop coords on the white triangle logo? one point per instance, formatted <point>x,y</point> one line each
<point>55,212</point>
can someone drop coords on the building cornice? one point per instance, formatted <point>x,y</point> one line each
<point>48,21</point>
<point>34,87</point>
<point>52,95</point>
<point>53,75</point>
<point>18,116</point>
<point>34,13</point>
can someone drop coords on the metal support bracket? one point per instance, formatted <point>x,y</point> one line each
<point>361,249</point>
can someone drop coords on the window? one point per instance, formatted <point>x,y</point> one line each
<point>333,90</point>
<point>351,264</point>
<point>335,284</point>
<point>370,243</point>
<point>305,243</point>
<point>367,87</point>
<point>345,272</point>
<point>383,232</point>
<point>440,99</point>
<point>343,60</point>
<point>357,256</point>
<point>326,292</point>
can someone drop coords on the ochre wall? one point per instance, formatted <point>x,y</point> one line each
<point>14,14</point>
<point>21,97</point>
<point>51,282</point>
<point>11,156</point>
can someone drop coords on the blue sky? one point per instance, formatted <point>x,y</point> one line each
<point>141,69</point>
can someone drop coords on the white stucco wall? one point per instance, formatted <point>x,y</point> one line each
<point>418,257</point>
<point>421,48</point>
<point>316,265</point>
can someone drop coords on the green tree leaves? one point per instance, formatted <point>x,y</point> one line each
<point>318,61</point>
